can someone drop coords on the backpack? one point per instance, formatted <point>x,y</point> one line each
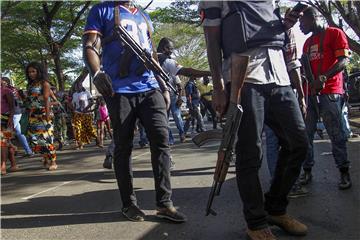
<point>251,24</point>
<point>195,93</point>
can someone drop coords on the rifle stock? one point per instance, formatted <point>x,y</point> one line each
<point>239,65</point>
<point>143,55</point>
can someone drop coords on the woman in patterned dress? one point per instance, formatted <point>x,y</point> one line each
<point>7,128</point>
<point>40,130</point>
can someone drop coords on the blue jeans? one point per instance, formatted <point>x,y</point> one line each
<point>19,135</point>
<point>330,108</point>
<point>176,113</point>
<point>277,107</point>
<point>143,137</point>
<point>272,149</point>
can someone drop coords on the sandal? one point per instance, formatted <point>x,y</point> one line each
<point>14,168</point>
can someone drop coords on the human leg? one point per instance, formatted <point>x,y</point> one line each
<point>249,156</point>
<point>334,124</point>
<point>272,149</point>
<point>19,135</point>
<point>176,113</point>
<point>283,115</point>
<point>157,131</point>
<point>153,105</point>
<point>121,109</point>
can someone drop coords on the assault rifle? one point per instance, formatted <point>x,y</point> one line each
<point>305,62</point>
<point>143,55</point>
<point>233,117</point>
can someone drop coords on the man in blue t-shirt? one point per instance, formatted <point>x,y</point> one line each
<point>130,91</point>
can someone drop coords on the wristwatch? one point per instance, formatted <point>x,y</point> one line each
<point>322,78</point>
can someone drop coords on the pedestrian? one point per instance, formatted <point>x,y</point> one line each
<point>82,120</point>
<point>206,89</point>
<point>128,97</point>
<point>328,50</point>
<point>40,129</point>
<point>174,69</point>
<point>7,128</point>
<point>193,103</point>
<point>103,121</point>
<point>266,97</point>
<point>18,111</point>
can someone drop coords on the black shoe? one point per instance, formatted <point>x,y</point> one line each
<point>108,162</point>
<point>298,191</point>
<point>133,213</point>
<point>306,177</point>
<point>345,181</point>
<point>171,214</point>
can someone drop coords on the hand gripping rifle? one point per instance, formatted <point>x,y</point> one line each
<point>143,55</point>
<point>234,113</point>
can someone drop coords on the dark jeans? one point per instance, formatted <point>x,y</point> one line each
<point>208,106</point>
<point>330,108</point>
<point>149,107</point>
<point>277,107</point>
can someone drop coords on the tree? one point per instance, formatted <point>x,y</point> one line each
<point>42,31</point>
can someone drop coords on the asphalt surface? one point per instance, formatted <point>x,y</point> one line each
<point>81,200</point>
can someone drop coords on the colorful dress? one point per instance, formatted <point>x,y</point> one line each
<point>6,134</point>
<point>40,131</point>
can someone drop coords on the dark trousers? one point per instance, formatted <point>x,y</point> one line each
<point>149,107</point>
<point>208,106</point>
<point>276,106</point>
<point>330,109</point>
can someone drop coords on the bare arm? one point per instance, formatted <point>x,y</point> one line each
<point>213,39</point>
<point>296,82</point>
<point>47,95</point>
<point>91,49</point>
<point>338,67</point>
<point>191,72</point>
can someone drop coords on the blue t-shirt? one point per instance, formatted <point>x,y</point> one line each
<point>101,20</point>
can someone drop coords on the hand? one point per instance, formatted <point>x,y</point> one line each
<point>166,96</point>
<point>220,101</point>
<point>291,18</point>
<point>103,84</point>
<point>318,85</point>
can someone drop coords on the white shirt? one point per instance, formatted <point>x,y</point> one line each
<point>81,100</point>
<point>171,67</point>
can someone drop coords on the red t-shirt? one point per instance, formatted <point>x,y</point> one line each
<point>334,45</point>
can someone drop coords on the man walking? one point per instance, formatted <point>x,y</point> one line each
<point>328,51</point>
<point>129,96</point>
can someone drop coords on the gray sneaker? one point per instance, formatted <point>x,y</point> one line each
<point>133,213</point>
<point>171,214</point>
<point>298,191</point>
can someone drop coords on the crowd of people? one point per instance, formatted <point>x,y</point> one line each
<point>277,97</point>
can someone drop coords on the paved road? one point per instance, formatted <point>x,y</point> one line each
<point>81,200</point>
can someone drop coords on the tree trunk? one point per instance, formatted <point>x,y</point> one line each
<point>59,72</point>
